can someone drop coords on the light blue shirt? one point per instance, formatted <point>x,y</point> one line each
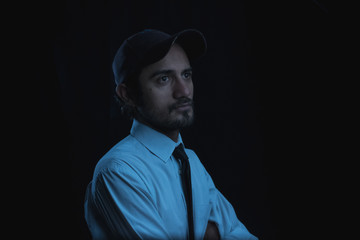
<point>136,193</point>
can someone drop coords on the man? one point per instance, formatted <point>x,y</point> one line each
<point>147,186</point>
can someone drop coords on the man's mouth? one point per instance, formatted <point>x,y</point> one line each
<point>182,105</point>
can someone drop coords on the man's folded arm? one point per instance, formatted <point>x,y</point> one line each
<point>229,226</point>
<point>124,205</point>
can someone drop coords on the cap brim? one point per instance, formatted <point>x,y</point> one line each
<point>193,42</point>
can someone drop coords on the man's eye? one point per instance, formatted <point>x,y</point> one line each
<point>187,75</point>
<point>163,79</point>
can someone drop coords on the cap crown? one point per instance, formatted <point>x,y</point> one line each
<point>149,46</point>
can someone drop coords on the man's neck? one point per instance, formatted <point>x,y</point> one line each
<point>172,134</point>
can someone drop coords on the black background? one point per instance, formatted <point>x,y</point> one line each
<point>265,105</point>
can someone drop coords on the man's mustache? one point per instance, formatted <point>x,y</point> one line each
<point>181,102</point>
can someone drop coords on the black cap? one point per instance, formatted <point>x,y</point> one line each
<point>150,46</point>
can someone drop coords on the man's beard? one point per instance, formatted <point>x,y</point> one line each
<point>166,123</point>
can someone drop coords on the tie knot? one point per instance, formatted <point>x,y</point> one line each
<point>179,153</point>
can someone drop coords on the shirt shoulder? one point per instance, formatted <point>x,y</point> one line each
<point>199,167</point>
<point>191,154</point>
<point>124,163</point>
<point>126,152</point>
<point>194,159</point>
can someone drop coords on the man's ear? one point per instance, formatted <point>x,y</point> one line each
<point>123,93</point>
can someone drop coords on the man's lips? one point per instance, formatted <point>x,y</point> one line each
<point>182,105</point>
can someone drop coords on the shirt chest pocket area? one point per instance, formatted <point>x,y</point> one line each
<point>175,221</point>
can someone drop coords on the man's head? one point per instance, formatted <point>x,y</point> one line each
<point>153,74</point>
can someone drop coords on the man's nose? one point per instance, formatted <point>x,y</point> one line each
<point>182,88</point>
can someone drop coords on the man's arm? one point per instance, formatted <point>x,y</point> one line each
<point>229,226</point>
<point>125,207</point>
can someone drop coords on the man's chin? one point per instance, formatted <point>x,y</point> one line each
<point>175,121</point>
<point>186,120</point>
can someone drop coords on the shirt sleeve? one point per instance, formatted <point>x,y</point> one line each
<point>124,205</point>
<point>223,214</point>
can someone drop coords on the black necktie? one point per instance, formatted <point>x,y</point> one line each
<point>180,154</point>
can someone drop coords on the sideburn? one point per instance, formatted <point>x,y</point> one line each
<point>134,89</point>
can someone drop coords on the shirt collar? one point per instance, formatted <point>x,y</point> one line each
<point>156,142</point>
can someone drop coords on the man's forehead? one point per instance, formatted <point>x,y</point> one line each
<point>175,60</point>
<point>175,55</point>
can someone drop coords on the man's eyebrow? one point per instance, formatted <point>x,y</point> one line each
<point>167,71</point>
<point>160,72</point>
<point>187,69</point>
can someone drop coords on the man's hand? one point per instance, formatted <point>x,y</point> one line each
<point>212,232</point>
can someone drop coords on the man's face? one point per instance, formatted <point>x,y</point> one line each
<point>167,92</point>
